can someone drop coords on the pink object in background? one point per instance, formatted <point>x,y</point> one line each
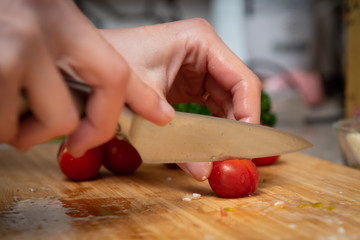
<point>308,84</point>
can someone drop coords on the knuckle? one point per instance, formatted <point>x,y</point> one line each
<point>202,27</point>
<point>258,83</point>
<point>200,23</point>
<point>201,33</point>
<point>123,76</point>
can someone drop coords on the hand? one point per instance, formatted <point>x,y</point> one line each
<point>36,39</point>
<point>186,61</point>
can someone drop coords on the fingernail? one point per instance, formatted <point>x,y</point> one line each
<point>167,109</point>
<point>198,170</point>
<point>247,120</point>
<point>75,154</point>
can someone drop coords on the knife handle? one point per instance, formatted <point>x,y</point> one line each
<point>125,122</point>
<point>80,93</point>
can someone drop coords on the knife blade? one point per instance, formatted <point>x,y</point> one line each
<point>193,137</point>
<point>198,138</point>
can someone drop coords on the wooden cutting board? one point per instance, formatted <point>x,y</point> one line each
<point>300,197</point>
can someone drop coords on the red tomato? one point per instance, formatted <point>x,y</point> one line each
<point>264,161</point>
<point>120,157</point>
<point>234,178</point>
<point>82,168</point>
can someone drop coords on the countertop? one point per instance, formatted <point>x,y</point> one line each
<point>299,197</point>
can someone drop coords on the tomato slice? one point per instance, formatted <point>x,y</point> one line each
<point>264,161</point>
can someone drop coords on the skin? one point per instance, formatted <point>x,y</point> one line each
<point>146,67</point>
<point>38,37</point>
<point>183,60</point>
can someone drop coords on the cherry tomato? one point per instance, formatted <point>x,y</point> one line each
<point>234,178</point>
<point>264,161</point>
<point>120,157</point>
<point>82,168</point>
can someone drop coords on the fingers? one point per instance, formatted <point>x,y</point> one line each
<point>145,101</point>
<point>113,83</point>
<point>200,171</point>
<point>25,64</point>
<point>12,52</point>
<point>9,101</point>
<point>145,95</point>
<point>108,74</point>
<point>57,32</point>
<point>247,100</point>
<point>219,102</point>
<point>53,112</point>
<point>72,42</point>
<point>235,78</point>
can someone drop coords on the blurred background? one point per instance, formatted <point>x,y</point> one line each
<point>304,51</point>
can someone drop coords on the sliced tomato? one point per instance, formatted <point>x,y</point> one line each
<point>264,161</point>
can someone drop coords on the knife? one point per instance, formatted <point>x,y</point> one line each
<point>192,137</point>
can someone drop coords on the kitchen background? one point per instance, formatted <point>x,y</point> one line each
<point>296,47</point>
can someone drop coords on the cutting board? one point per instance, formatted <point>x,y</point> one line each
<point>300,197</point>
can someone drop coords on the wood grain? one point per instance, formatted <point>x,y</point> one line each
<point>300,197</point>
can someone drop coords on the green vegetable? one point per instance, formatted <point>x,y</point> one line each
<point>192,108</point>
<point>266,118</point>
<point>265,103</point>
<point>58,139</point>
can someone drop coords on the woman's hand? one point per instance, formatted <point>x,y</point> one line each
<point>36,39</point>
<point>186,61</point>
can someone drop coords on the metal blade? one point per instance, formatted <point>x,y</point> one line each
<point>192,137</point>
<point>196,138</point>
